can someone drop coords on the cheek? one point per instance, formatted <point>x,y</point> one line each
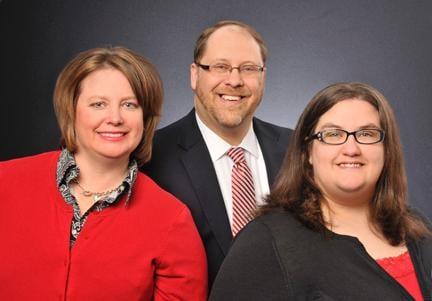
<point>322,157</point>
<point>141,129</point>
<point>80,124</point>
<point>256,86</point>
<point>138,123</point>
<point>209,84</point>
<point>379,159</point>
<point>200,84</point>
<point>315,153</point>
<point>84,118</point>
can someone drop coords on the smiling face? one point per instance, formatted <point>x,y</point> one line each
<point>108,117</point>
<point>228,102</point>
<point>351,170</point>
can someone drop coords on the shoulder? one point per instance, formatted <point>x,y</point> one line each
<point>27,174</point>
<point>417,214</point>
<point>279,227</point>
<point>26,164</point>
<point>172,130</point>
<point>273,225</point>
<point>425,241</point>
<point>275,132</point>
<point>277,220</point>
<point>155,197</point>
<point>276,217</point>
<point>270,127</point>
<point>169,144</point>
<point>255,258</point>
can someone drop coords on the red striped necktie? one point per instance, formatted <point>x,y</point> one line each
<point>243,190</point>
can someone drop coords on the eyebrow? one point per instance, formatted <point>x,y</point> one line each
<point>330,125</point>
<point>108,99</point>
<point>226,61</point>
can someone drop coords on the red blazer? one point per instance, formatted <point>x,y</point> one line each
<point>148,249</point>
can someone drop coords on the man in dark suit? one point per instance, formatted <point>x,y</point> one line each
<point>190,157</point>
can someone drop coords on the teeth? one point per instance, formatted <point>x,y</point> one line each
<point>231,97</point>
<point>352,165</point>
<point>112,135</point>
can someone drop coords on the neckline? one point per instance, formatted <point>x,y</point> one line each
<point>393,259</point>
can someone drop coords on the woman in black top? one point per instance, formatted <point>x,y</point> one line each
<point>337,225</point>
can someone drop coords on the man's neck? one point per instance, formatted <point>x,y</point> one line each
<point>231,135</point>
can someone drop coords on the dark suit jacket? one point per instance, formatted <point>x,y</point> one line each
<point>181,164</point>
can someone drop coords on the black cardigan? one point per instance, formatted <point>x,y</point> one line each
<point>276,257</point>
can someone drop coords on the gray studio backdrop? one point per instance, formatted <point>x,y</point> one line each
<point>312,44</point>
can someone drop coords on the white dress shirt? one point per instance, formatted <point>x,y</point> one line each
<point>223,164</point>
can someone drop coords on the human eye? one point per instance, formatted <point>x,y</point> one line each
<point>368,136</point>
<point>98,104</point>
<point>249,68</point>
<point>368,133</point>
<point>333,136</point>
<point>131,104</point>
<point>333,133</point>
<point>220,68</point>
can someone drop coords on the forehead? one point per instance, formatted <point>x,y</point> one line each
<point>350,114</point>
<point>234,44</point>
<point>105,81</point>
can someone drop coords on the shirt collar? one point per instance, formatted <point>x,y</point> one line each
<point>68,170</point>
<point>218,147</point>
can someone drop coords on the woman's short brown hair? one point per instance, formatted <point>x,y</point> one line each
<point>142,76</point>
<point>295,189</point>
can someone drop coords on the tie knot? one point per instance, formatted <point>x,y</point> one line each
<point>236,154</point>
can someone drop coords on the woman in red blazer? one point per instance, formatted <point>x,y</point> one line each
<point>83,223</point>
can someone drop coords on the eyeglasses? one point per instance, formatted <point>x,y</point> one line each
<point>225,69</point>
<point>338,136</point>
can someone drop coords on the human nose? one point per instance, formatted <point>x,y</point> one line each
<point>234,78</point>
<point>351,147</point>
<point>115,116</point>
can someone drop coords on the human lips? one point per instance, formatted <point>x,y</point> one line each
<point>350,164</point>
<point>231,97</point>
<point>113,136</point>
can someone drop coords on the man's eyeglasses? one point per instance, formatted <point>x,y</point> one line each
<point>338,136</point>
<point>225,69</point>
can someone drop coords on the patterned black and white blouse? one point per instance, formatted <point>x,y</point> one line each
<point>68,171</point>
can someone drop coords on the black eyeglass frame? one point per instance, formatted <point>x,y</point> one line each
<point>319,136</point>
<point>207,67</point>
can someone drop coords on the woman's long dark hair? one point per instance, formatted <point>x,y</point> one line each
<point>296,191</point>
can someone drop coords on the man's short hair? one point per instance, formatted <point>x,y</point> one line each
<point>201,43</point>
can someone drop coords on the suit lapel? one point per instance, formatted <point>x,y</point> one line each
<point>198,164</point>
<point>271,149</point>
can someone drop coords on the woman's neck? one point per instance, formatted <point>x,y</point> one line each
<point>355,221</point>
<point>345,219</point>
<point>100,175</point>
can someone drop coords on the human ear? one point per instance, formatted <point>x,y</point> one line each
<point>193,75</point>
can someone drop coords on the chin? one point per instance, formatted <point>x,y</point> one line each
<point>114,155</point>
<point>231,121</point>
<point>230,125</point>
<point>351,187</point>
<point>356,192</point>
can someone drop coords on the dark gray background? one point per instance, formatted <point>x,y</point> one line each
<point>312,44</point>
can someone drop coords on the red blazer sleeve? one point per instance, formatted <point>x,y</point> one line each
<point>181,270</point>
